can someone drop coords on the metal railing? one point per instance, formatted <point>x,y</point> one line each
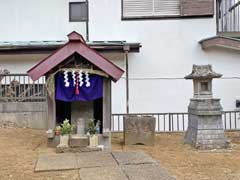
<point>228,16</point>
<point>176,122</point>
<point>20,88</point>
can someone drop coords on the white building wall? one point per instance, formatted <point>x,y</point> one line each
<point>29,20</point>
<point>169,49</point>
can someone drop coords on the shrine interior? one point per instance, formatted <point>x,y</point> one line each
<point>74,110</point>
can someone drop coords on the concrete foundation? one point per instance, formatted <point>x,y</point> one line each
<point>24,114</point>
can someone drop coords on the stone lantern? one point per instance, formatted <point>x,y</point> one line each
<point>205,127</point>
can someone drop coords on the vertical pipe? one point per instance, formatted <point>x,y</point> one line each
<point>87,22</point>
<point>126,49</point>
<point>237,18</point>
<point>222,16</point>
<point>217,14</point>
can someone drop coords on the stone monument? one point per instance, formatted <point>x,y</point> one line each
<point>139,130</point>
<point>205,127</point>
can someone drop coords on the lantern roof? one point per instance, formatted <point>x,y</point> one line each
<point>203,72</point>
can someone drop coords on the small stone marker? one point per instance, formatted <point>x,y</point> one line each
<point>139,130</point>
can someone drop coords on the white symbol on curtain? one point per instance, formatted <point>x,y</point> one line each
<point>66,83</point>
<point>81,78</point>
<point>87,79</point>
<point>77,78</point>
<point>74,78</point>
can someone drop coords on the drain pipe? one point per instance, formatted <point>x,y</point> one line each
<point>87,22</point>
<point>126,49</point>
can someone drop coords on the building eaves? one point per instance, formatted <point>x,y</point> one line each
<point>221,41</point>
<point>28,47</point>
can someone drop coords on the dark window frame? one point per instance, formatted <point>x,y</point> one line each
<point>70,11</point>
<point>148,17</point>
<point>143,18</point>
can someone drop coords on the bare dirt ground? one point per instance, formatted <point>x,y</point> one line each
<point>186,163</point>
<point>19,149</point>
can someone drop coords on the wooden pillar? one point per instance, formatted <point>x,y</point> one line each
<point>106,106</point>
<point>126,49</point>
<point>51,112</point>
<point>106,136</point>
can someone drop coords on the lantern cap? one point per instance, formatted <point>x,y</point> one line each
<point>202,72</point>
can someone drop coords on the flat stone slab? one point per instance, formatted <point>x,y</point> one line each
<point>95,159</point>
<point>56,162</point>
<point>105,165</point>
<point>102,173</point>
<point>125,158</point>
<point>146,172</point>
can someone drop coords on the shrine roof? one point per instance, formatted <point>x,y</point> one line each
<point>76,44</point>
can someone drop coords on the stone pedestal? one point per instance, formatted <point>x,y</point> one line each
<point>205,127</point>
<point>139,130</point>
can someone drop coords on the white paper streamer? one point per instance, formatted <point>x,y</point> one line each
<point>87,79</point>
<point>66,83</point>
<point>74,78</point>
<point>81,78</point>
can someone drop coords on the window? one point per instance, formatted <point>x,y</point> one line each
<point>150,8</point>
<point>78,11</point>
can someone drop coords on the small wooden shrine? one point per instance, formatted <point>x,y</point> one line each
<point>78,81</point>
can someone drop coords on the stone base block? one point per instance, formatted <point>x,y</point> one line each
<point>205,127</point>
<point>78,141</point>
<point>206,139</point>
<point>139,130</point>
<point>105,141</point>
<point>62,148</point>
